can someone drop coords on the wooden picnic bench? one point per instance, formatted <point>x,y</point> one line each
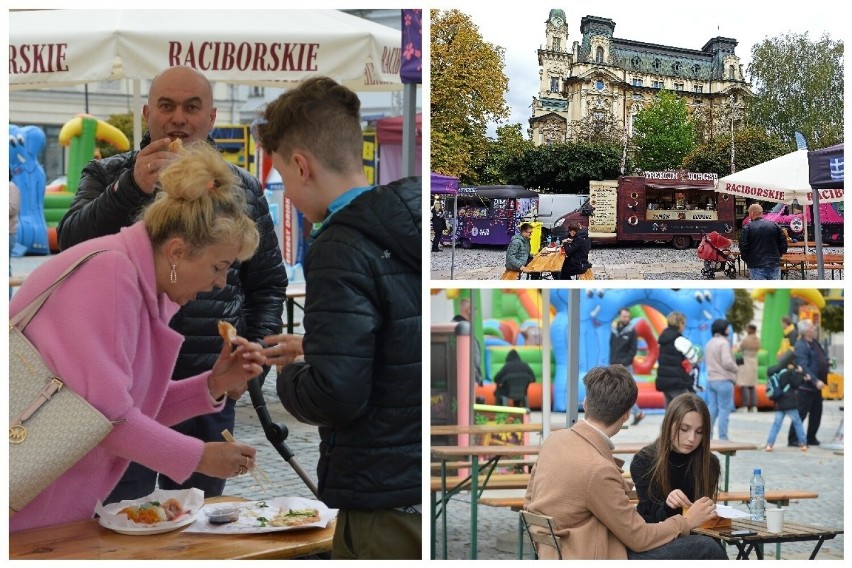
<point>797,263</point>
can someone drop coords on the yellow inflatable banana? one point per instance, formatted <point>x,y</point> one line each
<point>103,131</point>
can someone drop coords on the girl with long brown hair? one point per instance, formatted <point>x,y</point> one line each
<point>677,468</point>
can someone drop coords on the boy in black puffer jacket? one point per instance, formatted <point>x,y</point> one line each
<point>357,369</point>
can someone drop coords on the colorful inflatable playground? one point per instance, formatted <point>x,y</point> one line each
<point>515,318</point>
<point>41,207</point>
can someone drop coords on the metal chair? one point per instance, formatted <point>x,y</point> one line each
<point>549,538</point>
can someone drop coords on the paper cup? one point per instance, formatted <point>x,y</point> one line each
<point>774,520</point>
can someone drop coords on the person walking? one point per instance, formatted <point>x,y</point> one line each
<point>110,195</point>
<point>577,247</point>
<point>747,372</point>
<point>439,223</point>
<point>790,378</point>
<point>721,375</point>
<point>623,344</point>
<point>762,243</point>
<point>811,357</point>
<point>677,357</point>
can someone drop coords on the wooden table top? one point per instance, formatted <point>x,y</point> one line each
<point>811,257</point>
<point>296,289</point>
<point>448,452</point>
<point>88,540</point>
<point>545,261</point>
<point>790,532</point>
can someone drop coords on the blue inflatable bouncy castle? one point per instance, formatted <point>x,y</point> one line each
<point>598,308</point>
<point>25,143</point>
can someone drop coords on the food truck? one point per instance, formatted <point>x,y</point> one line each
<point>672,206</point>
<point>488,214</point>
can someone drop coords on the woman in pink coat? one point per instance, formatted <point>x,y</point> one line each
<point>105,331</point>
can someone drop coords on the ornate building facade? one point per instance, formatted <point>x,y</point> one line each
<point>602,81</point>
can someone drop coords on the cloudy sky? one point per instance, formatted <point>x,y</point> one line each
<point>520,29</point>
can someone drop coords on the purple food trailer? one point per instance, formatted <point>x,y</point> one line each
<point>488,215</point>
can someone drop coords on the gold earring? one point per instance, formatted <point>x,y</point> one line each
<point>173,274</point>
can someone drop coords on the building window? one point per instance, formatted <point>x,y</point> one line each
<point>698,102</point>
<point>637,82</point>
<point>256,92</point>
<point>732,74</point>
<point>678,86</point>
<point>657,84</point>
<point>556,44</point>
<point>599,85</point>
<point>635,61</point>
<point>657,65</point>
<point>637,97</point>
<point>554,84</point>
<point>676,68</point>
<point>599,55</point>
<point>699,88</point>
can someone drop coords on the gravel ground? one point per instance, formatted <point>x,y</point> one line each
<point>609,262</point>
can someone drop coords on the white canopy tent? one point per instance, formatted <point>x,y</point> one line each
<point>276,48</point>
<point>783,180</point>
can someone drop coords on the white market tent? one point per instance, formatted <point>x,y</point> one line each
<point>276,48</point>
<point>784,179</point>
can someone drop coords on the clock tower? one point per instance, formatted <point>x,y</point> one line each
<point>550,107</point>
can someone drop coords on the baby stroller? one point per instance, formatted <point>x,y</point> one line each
<point>715,251</point>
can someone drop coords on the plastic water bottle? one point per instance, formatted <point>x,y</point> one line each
<point>757,497</point>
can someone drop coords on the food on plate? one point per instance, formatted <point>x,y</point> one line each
<point>223,516</point>
<point>294,517</point>
<point>227,331</point>
<point>176,146</point>
<point>154,512</point>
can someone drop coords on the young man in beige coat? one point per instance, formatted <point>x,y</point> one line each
<point>578,482</point>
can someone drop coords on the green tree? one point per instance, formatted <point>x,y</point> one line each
<point>123,122</point>
<point>832,318</point>
<point>564,168</point>
<point>662,133</point>
<point>510,144</point>
<point>468,88</point>
<point>741,311</point>
<point>798,85</point>
<point>752,146</point>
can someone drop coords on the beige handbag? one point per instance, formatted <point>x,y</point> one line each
<point>50,426</point>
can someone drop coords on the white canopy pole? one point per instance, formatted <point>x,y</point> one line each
<point>545,364</point>
<point>137,113</point>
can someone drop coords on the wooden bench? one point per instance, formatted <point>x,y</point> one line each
<point>496,481</point>
<point>800,268</point>
<point>781,498</point>
<point>457,465</point>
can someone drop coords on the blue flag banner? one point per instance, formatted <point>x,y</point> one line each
<point>826,167</point>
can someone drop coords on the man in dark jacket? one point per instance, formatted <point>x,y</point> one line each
<point>810,356</point>
<point>790,378</point>
<point>623,344</point>
<point>762,243</point>
<point>359,377</point>
<point>110,195</point>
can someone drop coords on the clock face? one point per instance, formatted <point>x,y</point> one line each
<point>557,21</point>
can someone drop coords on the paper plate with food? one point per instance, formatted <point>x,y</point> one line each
<point>161,511</point>
<point>271,515</point>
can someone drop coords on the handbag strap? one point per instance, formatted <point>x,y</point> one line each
<point>22,318</point>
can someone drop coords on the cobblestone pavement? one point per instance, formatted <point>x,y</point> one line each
<point>820,470</point>
<point>609,262</point>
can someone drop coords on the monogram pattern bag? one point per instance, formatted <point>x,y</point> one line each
<point>50,426</point>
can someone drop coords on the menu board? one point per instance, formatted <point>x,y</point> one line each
<point>603,196</point>
<point>675,215</point>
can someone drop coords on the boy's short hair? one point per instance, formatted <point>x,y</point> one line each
<point>320,116</point>
<point>610,393</point>
<point>524,227</point>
